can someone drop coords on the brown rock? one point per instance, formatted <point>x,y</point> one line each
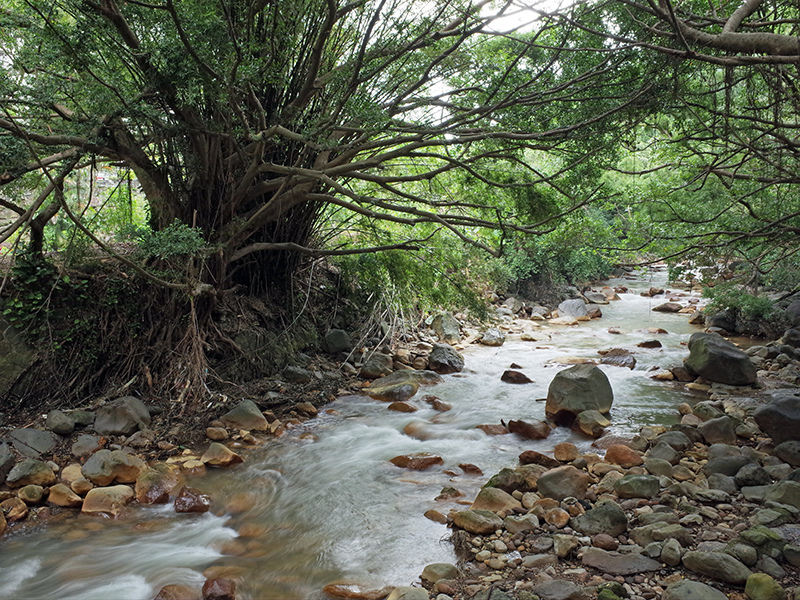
<point>435,516</point>
<point>417,462</point>
<point>437,404</point>
<point>3,524</point>
<point>565,452</point>
<point>70,473</point>
<point>61,495</point>
<point>495,500</point>
<point>307,409</point>
<point>178,592</point>
<point>31,494</point>
<point>190,500</point>
<point>218,455</point>
<point>605,541</point>
<point>157,483</point>
<point>493,429</point>
<point>470,469</point>
<point>107,501</point>
<point>81,486</point>
<point>531,457</point>
<point>355,591</point>
<point>649,344</point>
<point>217,434</point>
<point>623,456</point>
<point>510,376</point>
<point>402,407</point>
<point>538,430</point>
<point>557,517</point>
<point>220,588</point>
<point>14,509</point>
<point>668,307</point>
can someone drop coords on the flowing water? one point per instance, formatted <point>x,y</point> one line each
<point>323,503</point>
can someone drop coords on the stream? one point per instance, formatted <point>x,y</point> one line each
<point>323,503</point>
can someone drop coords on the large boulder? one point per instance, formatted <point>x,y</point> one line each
<point>717,565</point>
<point>492,337</point>
<point>30,472</point>
<point>576,389</point>
<point>123,416</point>
<point>793,313</point>
<point>573,308</point>
<point>337,340</point>
<point>692,590</point>
<point>606,517</point>
<point>377,365</point>
<point>479,522</point>
<point>716,359</point>
<point>445,359</point>
<point>106,466</point>
<point>446,328</point>
<point>157,483</point>
<point>245,415</point>
<point>107,501</point>
<point>780,417</point>
<point>562,482</point>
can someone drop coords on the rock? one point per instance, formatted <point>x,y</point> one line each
<point>572,308</point>
<point>446,328</point>
<point>721,430</point>
<point>605,518</point>
<point>32,442</point>
<point>31,494</point>
<point>788,452</point>
<point>397,387</point>
<point>558,589</point>
<point>6,461</point>
<point>493,429</point>
<point>637,486</point>
<point>623,456</point>
<point>218,455</point>
<point>566,452</point>
<point>715,359</point>
<point>59,423</point>
<point>668,307</point>
<point>562,482</point>
<point>14,510</point>
<point>85,445</point>
<point>676,439</point>
<point>510,376</point>
<point>82,418</point>
<point>591,423</point>
<point>245,415</point>
<point>445,359</point>
<point>123,416</point>
<point>495,500</point>
<point>478,522</point>
<point>437,571</point>
<point>492,337</point>
<point>521,524</point>
<point>779,418</point>
<point>531,457</point>
<point>761,586</point>
<point>106,466</point>
<point>337,340</point>
<point>61,495</point>
<point>692,590</point>
<point>408,593</point>
<point>619,357</point>
<point>355,591</point>
<point>658,467</point>
<point>404,407</point>
<point>190,500</point>
<point>294,374</point>
<point>219,588</point>
<point>619,564</point>
<point>717,565</point>
<point>376,365</point>
<point>649,344</point>
<point>784,492</point>
<point>578,388</point>
<point>417,462</point>
<point>671,552</point>
<point>178,592</point>
<point>523,479</point>
<point>107,501</point>
<point>157,483</point>
<point>30,472</point>
<point>538,430</point>
<point>727,465</point>
<point>660,531</point>
<point>752,474</point>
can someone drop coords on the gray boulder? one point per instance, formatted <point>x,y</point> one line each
<point>576,389</point>
<point>493,337</point>
<point>377,364</point>
<point>715,359</point>
<point>619,564</point>
<point>6,460</point>
<point>561,482</point>
<point>780,417</point>
<point>245,415</point>
<point>637,486</point>
<point>446,328</point>
<point>123,416</point>
<point>793,313</point>
<point>692,590</point>
<point>789,452</point>
<point>784,492</point>
<point>721,430</point>
<point>445,359</point>
<point>573,308</point>
<point>30,472</point>
<point>32,442</point>
<point>606,517</point>
<point>717,565</point>
<point>59,422</point>
<point>337,340</point>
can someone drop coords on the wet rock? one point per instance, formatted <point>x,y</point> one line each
<point>668,307</point>
<point>619,564</point>
<point>649,344</point>
<point>510,376</point>
<point>354,591</point>
<point>717,565</point>
<point>32,442</point>
<point>445,359</point>
<point>637,486</point>
<point>14,509</point>
<point>531,457</point>
<point>495,500</point>
<point>123,416</point>
<point>492,337</point>
<point>408,593</point>
<point>178,592</point>
<point>607,517</point>
<point>219,588</point>
<point>3,524</point>
<point>437,404</point>
<point>30,472</point>
<point>721,430</point>
<point>61,495</point>
<point>376,365</point>
<point>538,430</point>
<point>623,456</point>
<point>789,452</point>
<point>218,455</point>
<point>106,466</point>
<point>573,308</point>
<point>59,423</point>
<point>438,571</point>
<point>31,494</point>
<point>417,462</point>
<point>566,452</point>
<point>107,501</point>
<point>394,390</point>
<point>478,522</point>
<point>578,388</point>
<point>85,445</point>
<point>591,423</point>
<point>562,482</point>
<point>216,434</point>
<point>190,500</point>
<point>446,328</point>
<point>715,359</point>
<point>619,357</point>
<point>157,483</point>
<point>692,590</point>
<point>404,407</point>
<point>558,589</point>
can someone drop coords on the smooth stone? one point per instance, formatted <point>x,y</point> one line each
<point>538,561</point>
<point>157,483</point>
<point>479,522</point>
<point>607,517</point>
<point>417,462</point>
<point>717,565</point>
<point>537,430</point>
<point>521,524</point>
<point>31,494</point>
<point>761,586</point>
<point>32,442</point>
<point>245,415</point>
<point>107,501</point>
<point>717,360</point>
<point>174,591</point>
<point>784,492</point>
<point>692,590</point>
<point>61,495</point>
<point>30,471</point>
<point>637,486</point>
<point>562,482</point>
<point>59,422</point>
<point>661,531</point>
<point>123,416</point>
<point>721,430</point>
<point>623,456</point>
<point>565,452</point>
<point>408,593</point>
<point>218,455</point>
<point>578,388</point>
<point>492,337</point>
<point>337,340</point>
<point>85,445</point>
<point>558,589</point>
<point>619,564</point>
<point>495,500</point>
<point>663,451</point>
<point>789,452</point>
<point>591,423</point>
<point>106,466</point>
<point>436,571</point>
<point>779,418</point>
<point>190,500</point>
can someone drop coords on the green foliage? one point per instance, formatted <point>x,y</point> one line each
<point>726,297</point>
<point>176,240</point>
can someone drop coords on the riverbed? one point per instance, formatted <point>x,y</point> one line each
<point>323,503</point>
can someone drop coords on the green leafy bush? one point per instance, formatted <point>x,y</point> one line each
<point>176,240</point>
<point>739,303</point>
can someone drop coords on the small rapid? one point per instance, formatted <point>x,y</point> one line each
<point>323,503</point>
